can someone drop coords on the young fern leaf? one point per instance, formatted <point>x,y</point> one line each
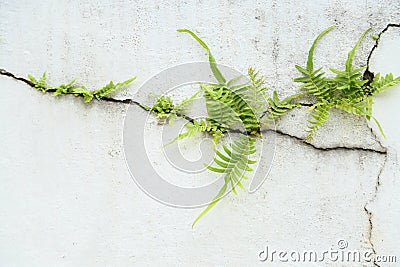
<point>278,108</point>
<point>348,81</point>
<point>213,64</point>
<point>184,105</point>
<point>315,83</point>
<point>163,108</point>
<point>40,84</point>
<point>166,110</point>
<point>234,161</point>
<point>110,88</point>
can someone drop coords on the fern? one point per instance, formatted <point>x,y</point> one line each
<point>110,88</point>
<point>234,161</point>
<point>253,92</point>
<point>40,84</point>
<point>347,91</point>
<point>381,83</point>
<point>208,125</point>
<point>70,88</point>
<point>315,83</point>
<point>226,103</point>
<point>213,64</point>
<point>166,110</point>
<point>319,117</point>
<point>163,108</point>
<point>278,108</point>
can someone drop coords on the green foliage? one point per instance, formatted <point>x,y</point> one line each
<point>346,91</point>
<point>233,161</point>
<point>166,110</point>
<point>228,103</point>
<point>254,92</point>
<point>72,89</point>
<point>40,84</point>
<point>381,83</point>
<point>207,125</point>
<point>110,88</point>
<point>213,64</point>
<point>319,117</point>
<point>278,108</point>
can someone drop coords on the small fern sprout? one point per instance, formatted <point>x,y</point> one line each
<point>40,84</point>
<point>166,110</point>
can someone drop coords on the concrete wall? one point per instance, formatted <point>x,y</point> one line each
<point>66,195</point>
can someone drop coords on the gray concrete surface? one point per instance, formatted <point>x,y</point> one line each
<point>66,195</point>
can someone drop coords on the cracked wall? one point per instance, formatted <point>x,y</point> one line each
<point>67,197</point>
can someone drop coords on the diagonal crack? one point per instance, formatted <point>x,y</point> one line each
<point>368,75</point>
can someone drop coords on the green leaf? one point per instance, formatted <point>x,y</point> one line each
<point>213,64</point>
<point>233,164</point>
<point>310,60</point>
<point>350,56</point>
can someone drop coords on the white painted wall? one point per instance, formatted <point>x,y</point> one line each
<point>66,196</point>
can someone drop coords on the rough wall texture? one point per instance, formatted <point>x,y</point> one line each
<point>66,196</point>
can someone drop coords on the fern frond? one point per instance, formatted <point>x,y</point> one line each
<point>219,104</point>
<point>40,84</point>
<point>278,108</point>
<point>381,83</point>
<point>310,59</point>
<point>354,106</point>
<point>350,55</point>
<point>110,88</point>
<point>314,82</point>
<point>185,103</point>
<point>209,126</point>
<point>254,92</point>
<point>349,81</point>
<point>234,161</point>
<point>222,98</point>
<point>349,84</point>
<point>65,88</point>
<point>165,108</point>
<point>213,64</point>
<point>320,115</point>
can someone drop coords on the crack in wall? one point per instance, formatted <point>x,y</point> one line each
<point>369,212</point>
<point>368,75</point>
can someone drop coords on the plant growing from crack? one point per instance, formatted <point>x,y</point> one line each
<point>245,107</point>
<point>348,90</point>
